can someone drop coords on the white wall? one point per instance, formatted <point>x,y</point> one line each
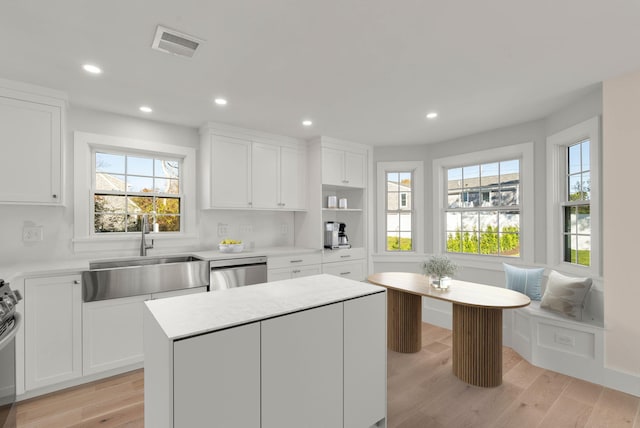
<point>263,228</point>
<point>621,155</point>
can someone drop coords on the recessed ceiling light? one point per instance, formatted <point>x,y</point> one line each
<point>146,109</point>
<point>307,123</point>
<point>93,69</point>
<point>432,115</point>
<point>220,101</point>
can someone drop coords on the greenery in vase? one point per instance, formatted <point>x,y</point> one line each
<point>439,266</point>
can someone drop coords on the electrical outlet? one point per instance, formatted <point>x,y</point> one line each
<point>32,233</point>
<point>245,228</point>
<point>223,230</point>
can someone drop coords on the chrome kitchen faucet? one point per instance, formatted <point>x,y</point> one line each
<point>145,230</point>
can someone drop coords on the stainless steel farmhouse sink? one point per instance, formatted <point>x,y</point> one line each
<point>112,279</point>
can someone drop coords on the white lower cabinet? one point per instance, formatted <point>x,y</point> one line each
<point>293,272</point>
<point>302,369</point>
<point>365,360</point>
<point>320,367</point>
<point>228,358</point>
<point>53,316</point>
<point>352,269</point>
<point>112,333</point>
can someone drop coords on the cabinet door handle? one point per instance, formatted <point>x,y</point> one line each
<point>75,281</point>
<point>296,271</point>
<point>345,273</point>
<point>54,196</point>
<point>249,203</point>
<point>295,261</point>
<point>345,256</point>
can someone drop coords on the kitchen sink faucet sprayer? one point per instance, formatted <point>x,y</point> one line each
<point>145,230</point>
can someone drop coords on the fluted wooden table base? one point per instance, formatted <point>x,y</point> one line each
<point>477,345</point>
<point>404,321</point>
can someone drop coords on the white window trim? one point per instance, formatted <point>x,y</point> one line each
<point>84,145</point>
<point>417,167</point>
<point>524,152</point>
<point>556,146</point>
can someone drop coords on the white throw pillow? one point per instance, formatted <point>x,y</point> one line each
<point>566,295</point>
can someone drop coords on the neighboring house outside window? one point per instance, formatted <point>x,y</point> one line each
<point>483,204</point>
<point>573,211</point>
<point>126,186</point>
<point>483,208</point>
<point>400,207</point>
<point>399,215</point>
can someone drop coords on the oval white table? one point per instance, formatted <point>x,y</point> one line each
<point>477,321</point>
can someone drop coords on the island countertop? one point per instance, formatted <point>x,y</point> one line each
<point>194,314</point>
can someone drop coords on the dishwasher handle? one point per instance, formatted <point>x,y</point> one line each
<point>238,261</point>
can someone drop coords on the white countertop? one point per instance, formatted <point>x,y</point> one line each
<point>77,265</point>
<point>193,314</point>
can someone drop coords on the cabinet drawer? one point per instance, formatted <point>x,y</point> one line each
<point>294,260</point>
<point>342,255</point>
<point>351,270</point>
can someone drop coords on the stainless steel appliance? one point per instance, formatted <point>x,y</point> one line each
<point>237,272</point>
<point>331,234</point>
<point>10,322</point>
<point>335,236</point>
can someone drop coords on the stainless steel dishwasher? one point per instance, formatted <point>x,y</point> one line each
<point>237,272</point>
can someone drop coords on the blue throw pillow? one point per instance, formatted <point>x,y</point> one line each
<point>526,281</point>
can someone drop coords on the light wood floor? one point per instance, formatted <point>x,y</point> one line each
<point>422,392</point>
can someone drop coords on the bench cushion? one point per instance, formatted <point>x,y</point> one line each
<point>566,295</point>
<point>526,281</point>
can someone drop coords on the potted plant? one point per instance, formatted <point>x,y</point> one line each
<point>440,269</point>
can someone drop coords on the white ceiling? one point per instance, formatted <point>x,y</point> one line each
<point>362,70</point>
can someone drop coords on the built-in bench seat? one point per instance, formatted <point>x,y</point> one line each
<point>555,342</point>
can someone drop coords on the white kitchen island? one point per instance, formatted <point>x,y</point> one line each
<point>305,352</point>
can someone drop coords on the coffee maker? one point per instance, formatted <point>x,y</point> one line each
<point>334,235</point>
<point>343,240</point>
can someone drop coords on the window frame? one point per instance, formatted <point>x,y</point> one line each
<point>85,239</point>
<point>557,145</point>
<point>524,152</point>
<point>417,208</point>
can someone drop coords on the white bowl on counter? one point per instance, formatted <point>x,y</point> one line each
<point>230,248</point>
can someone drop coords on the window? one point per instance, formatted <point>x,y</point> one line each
<point>400,218</point>
<point>400,213</point>
<point>573,238</point>
<point>576,205</point>
<point>482,208</point>
<point>483,204</point>
<point>126,186</point>
<point>118,179</point>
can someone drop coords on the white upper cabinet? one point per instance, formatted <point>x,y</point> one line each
<point>343,168</point>
<point>230,172</point>
<point>292,178</point>
<point>250,172</point>
<point>31,133</point>
<point>265,167</point>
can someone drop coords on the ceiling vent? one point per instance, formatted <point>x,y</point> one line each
<point>175,42</point>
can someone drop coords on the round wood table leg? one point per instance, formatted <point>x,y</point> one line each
<point>477,345</point>
<point>404,321</point>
